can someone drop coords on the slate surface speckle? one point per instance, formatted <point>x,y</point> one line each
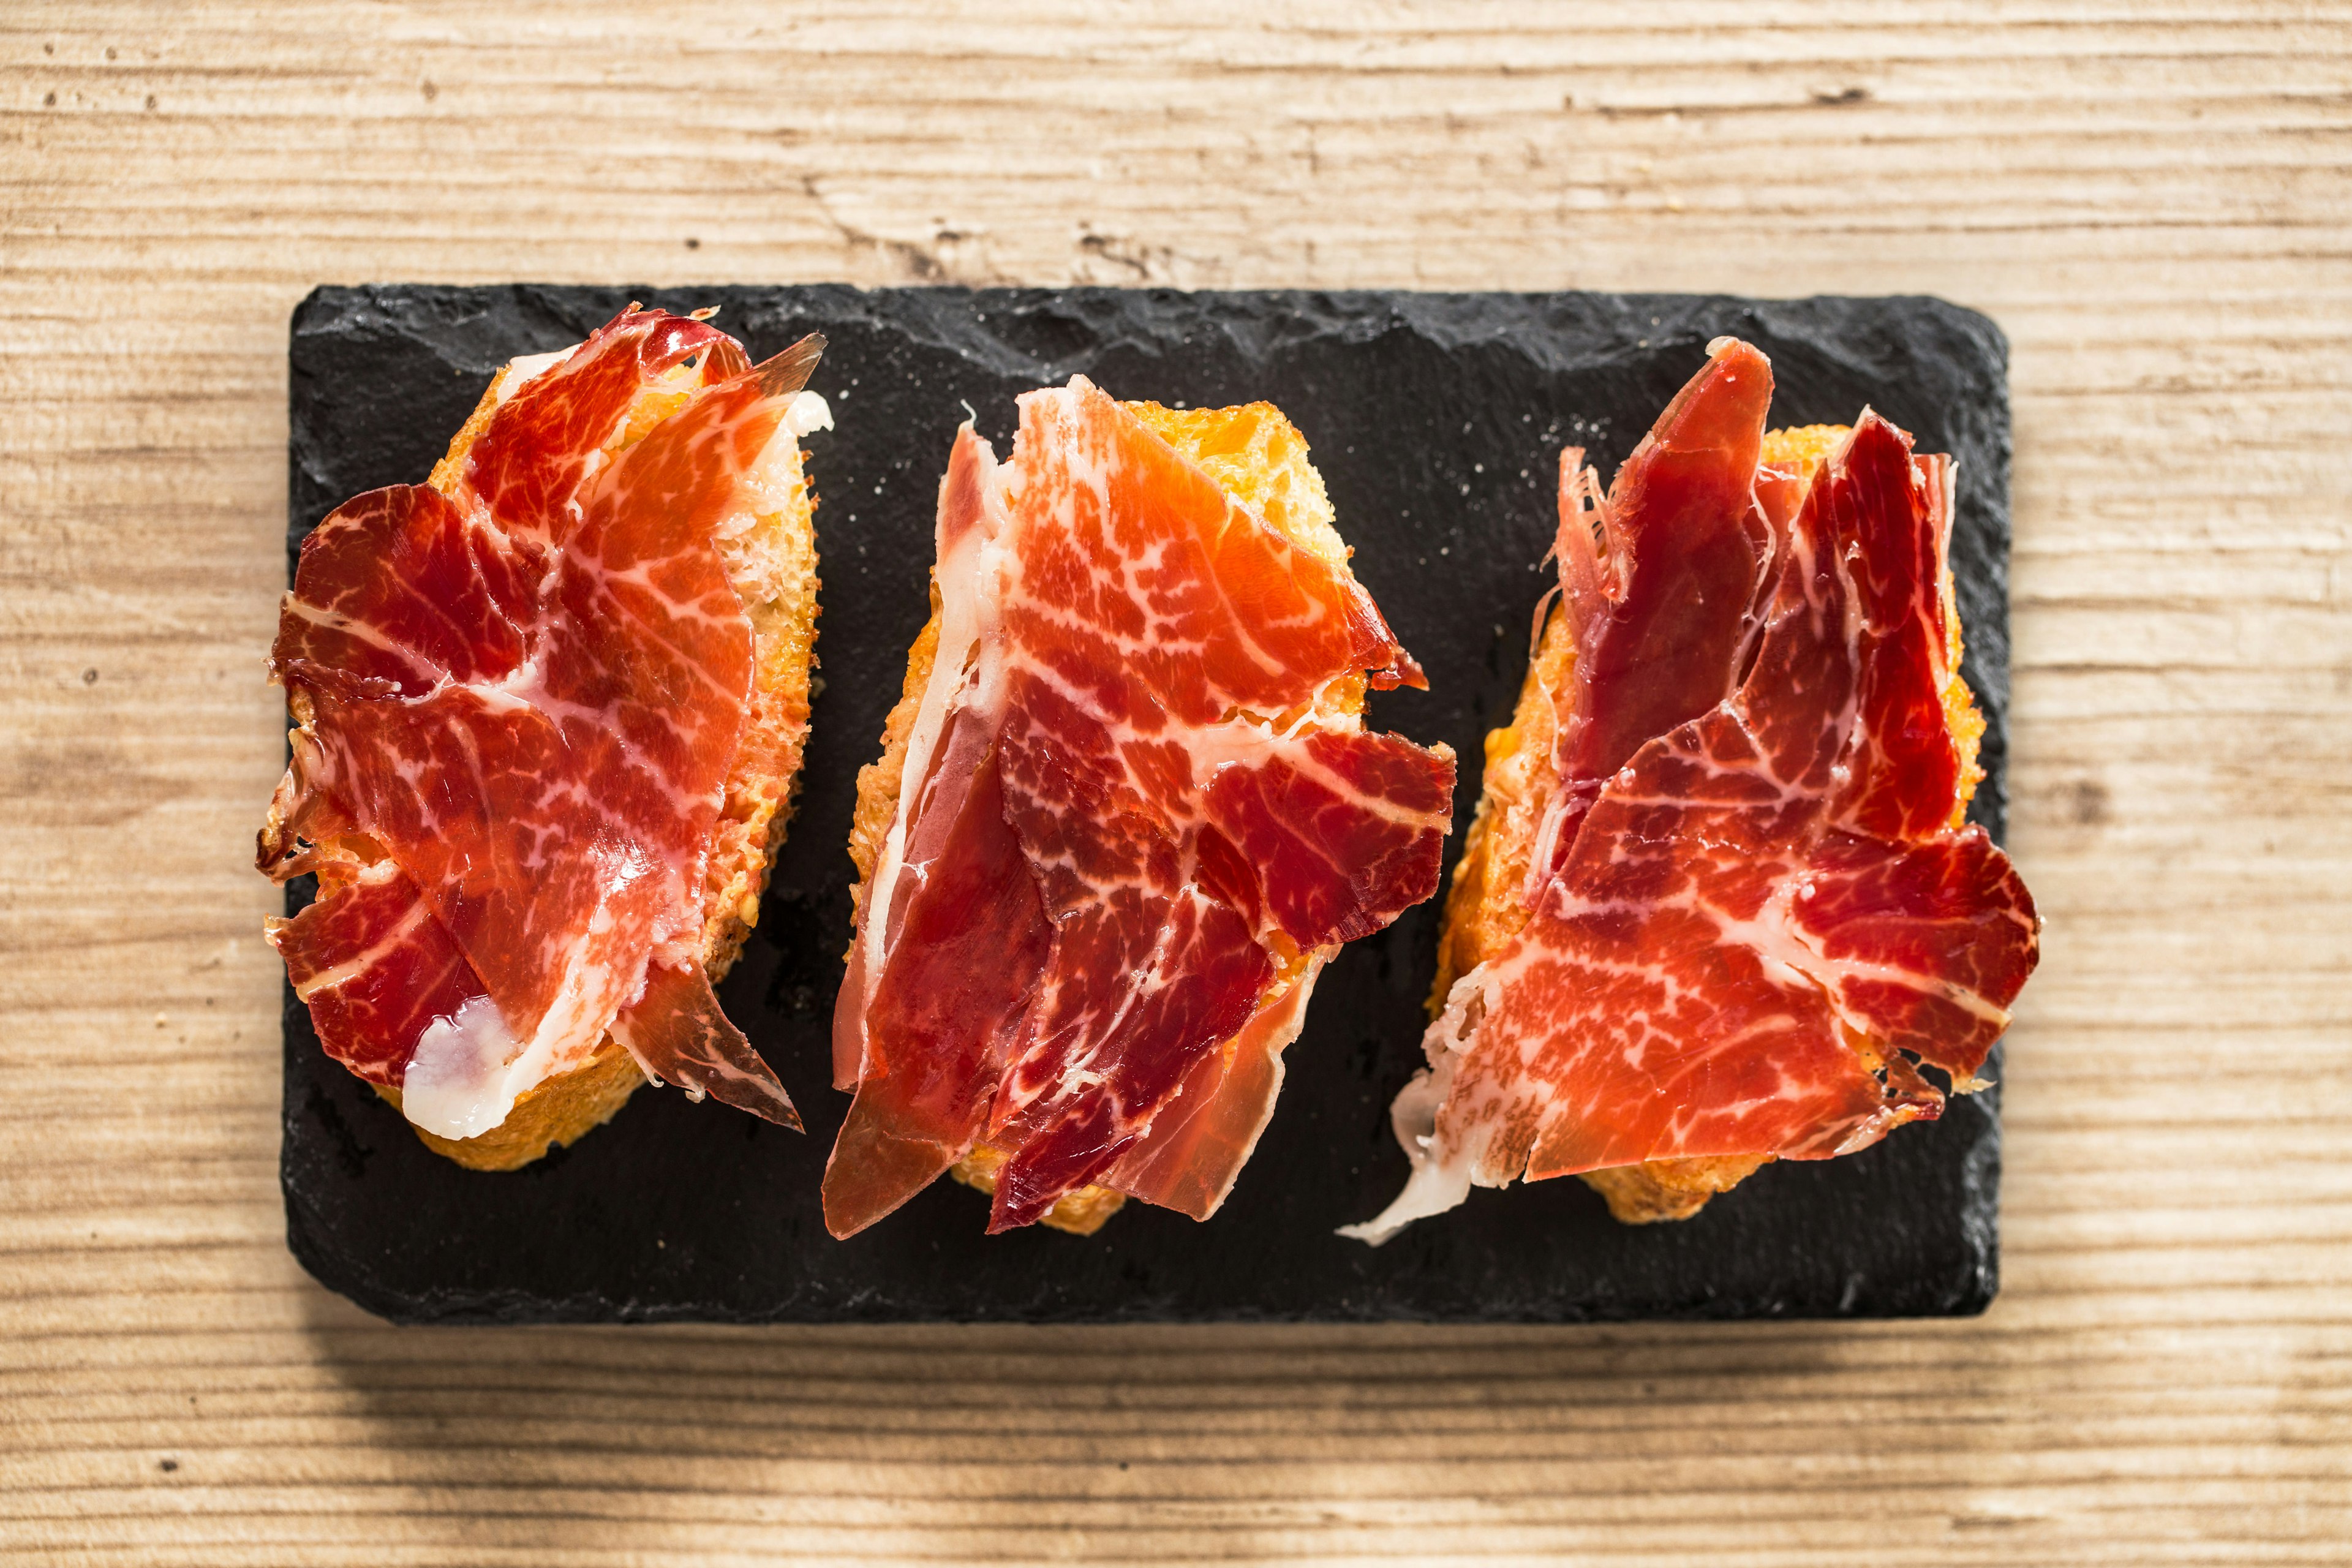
<point>1436,421</point>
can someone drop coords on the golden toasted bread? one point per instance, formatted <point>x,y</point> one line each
<point>1483,908</point>
<point>1258,458</point>
<point>773,565</point>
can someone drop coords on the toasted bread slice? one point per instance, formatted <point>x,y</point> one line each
<point>771,563</point>
<point>1483,908</point>
<point>1258,458</point>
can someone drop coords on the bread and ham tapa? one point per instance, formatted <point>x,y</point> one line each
<point>1721,904</point>
<point>1127,809</point>
<point>550,712</point>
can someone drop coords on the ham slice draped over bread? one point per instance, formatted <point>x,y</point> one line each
<point>1751,910</point>
<point>519,693</point>
<point>1136,811</point>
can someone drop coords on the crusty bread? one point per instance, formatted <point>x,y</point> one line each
<point>1483,912</point>
<point>1258,458</point>
<point>773,565</point>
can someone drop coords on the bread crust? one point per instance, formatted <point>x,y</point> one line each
<point>1483,907</point>
<point>772,566</point>
<point>1258,458</point>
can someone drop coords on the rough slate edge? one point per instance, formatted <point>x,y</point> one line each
<point>1951,360</point>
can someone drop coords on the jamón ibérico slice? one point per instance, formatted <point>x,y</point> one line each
<point>968,939</point>
<point>677,1032</point>
<point>1766,914</point>
<point>1661,605</point>
<point>1331,831</point>
<point>1193,1153</point>
<point>1123,817</point>
<point>376,968</point>
<point>522,692</point>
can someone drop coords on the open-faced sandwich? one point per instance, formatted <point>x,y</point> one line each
<point>1720,903</point>
<point>1125,810</point>
<point>550,708</point>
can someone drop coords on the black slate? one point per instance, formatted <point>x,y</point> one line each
<point>1436,420</point>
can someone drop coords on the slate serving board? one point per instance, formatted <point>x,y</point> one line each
<point>1436,420</point>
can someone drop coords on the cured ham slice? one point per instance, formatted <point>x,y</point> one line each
<point>1768,918</point>
<point>1137,811</point>
<point>521,691</point>
<point>1661,606</point>
<point>376,970</point>
<point>1191,1155</point>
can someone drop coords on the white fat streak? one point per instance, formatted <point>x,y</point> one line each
<point>521,371</point>
<point>1945,474</point>
<point>1443,1169</point>
<point>1547,844</point>
<point>967,611</point>
<point>1792,957</point>
<point>354,967</point>
<point>1252,743</point>
<point>359,631</point>
<point>807,411</point>
<point>1241,738</point>
<point>523,690</point>
<point>467,1074</point>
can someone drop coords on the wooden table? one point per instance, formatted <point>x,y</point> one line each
<point>2151,198</point>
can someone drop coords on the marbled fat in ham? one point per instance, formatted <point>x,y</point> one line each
<point>522,700</point>
<point>1127,835</point>
<point>1766,918</point>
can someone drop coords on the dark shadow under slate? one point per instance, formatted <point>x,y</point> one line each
<point>1436,420</point>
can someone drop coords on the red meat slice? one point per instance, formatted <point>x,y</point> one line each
<point>375,969</point>
<point>969,938</point>
<point>1663,604</point>
<point>1189,1158</point>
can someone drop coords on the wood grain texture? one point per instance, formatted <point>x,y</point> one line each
<point>2151,198</point>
